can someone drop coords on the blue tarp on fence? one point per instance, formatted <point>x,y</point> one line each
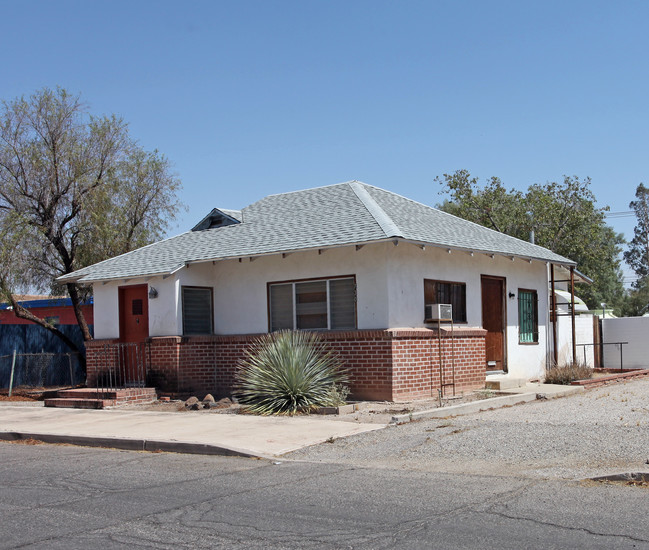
<point>31,338</point>
<point>41,370</point>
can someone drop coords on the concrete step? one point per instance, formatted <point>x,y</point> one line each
<point>68,403</point>
<point>504,383</point>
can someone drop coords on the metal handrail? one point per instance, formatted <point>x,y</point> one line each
<point>123,364</point>
<point>621,344</point>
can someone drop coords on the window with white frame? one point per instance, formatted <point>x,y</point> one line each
<point>323,304</point>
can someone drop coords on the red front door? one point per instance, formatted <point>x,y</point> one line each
<point>493,321</point>
<point>133,313</point>
<point>133,331</point>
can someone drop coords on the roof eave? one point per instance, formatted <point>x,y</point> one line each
<point>81,279</point>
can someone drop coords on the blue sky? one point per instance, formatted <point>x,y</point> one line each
<point>249,98</point>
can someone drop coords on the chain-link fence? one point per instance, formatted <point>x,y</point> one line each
<point>41,370</point>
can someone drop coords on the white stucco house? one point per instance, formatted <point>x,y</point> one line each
<point>355,262</point>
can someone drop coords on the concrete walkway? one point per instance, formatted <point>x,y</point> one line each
<point>222,434</point>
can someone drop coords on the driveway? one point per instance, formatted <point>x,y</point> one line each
<point>593,433</point>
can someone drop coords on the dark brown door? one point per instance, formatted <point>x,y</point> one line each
<point>133,331</point>
<point>493,321</point>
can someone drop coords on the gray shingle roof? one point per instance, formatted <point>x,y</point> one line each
<point>336,215</point>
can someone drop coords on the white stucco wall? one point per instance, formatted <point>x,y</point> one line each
<point>390,292</point>
<point>409,266</point>
<point>633,330</point>
<point>164,311</point>
<point>240,293</point>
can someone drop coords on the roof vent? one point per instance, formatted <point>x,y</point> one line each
<point>218,218</point>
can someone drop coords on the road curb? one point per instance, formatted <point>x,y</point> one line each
<point>483,405</point>
<point>127,444</point>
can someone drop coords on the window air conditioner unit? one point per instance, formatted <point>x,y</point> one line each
<point>439,312</point>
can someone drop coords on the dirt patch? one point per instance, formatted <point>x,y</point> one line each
<point>632,479</point>
<point>24,442</point>
<point>22,394</point>
<point>179,406</point>
<point>378,412</point>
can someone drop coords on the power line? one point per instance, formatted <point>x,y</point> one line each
<point>622,214</point>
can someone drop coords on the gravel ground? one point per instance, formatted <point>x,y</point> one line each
<point>599,432</point>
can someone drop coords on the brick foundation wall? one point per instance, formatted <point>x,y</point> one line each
<point>390,365</point>
<point>416,362</point>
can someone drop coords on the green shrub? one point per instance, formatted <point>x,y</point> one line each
<point>288,372</point>
<point>566,374</point>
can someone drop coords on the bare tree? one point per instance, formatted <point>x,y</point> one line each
<point>74,189</point>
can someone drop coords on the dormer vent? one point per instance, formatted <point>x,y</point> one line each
<point>218,218</point>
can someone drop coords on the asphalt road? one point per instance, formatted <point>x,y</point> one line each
<point>70,497</point>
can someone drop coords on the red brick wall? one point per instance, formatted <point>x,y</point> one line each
<point>416,362</point>
<point>391,365</point>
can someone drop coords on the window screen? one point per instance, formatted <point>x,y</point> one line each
<point>342,297</point>
<point>197,310</point>
<point>281,306</point>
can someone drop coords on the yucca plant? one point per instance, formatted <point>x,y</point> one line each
<point>287,372</point>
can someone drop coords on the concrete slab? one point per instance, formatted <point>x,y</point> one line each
<point>504,383</point>
<point>529,392</point>
<point>243,435</point>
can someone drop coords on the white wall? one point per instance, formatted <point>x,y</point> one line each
<point>409,266</point>
<point>163,310</point>
<point>381,270</point>
<point>240,293</point>
<point>635,331</point>
<point>583,335</point>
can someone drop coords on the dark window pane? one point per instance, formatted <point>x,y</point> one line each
<point>342,303</point>
<point>281,307</point>
<point>441,292</point>
<point>197,310</point>
<point>136,307</point>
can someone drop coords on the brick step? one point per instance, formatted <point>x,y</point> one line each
<point>85,393</point>
<point>126,394</point>
<point>68,403</point>
<point>89,398</point>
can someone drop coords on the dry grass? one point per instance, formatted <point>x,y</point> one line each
<point>565,374</point>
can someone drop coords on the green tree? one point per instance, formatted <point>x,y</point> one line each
<point>637,299</point>
<point>74,189</point>
<point>637,255</point>
<point>563,216</point>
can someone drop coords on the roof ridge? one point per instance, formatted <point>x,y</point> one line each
<point>302,190</point>
<point>444,213</point>
<point>385,222</point>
